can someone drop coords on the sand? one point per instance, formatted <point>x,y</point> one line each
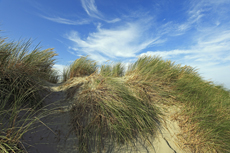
<point>56,138</point>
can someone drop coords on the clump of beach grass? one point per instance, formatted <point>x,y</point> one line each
<point>106,111</point>
<point>79,68</point>
<point>100,105</point>
<point>207,110</point>
<point>21,68</point>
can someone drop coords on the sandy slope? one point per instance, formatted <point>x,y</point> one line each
<point>56,138</point>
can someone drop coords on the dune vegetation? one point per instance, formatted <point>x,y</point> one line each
<point>22,72</point>
<point>111,104</point>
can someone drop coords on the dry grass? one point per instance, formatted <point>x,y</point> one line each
<point>106,111</point>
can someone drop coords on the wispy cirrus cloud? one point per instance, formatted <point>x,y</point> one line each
<point>212,13</point>
<point>209,47</point>
<point>66,21</point>
<point>113,20</point>
<point>91,8</point>
<point>56,18</point>
<point>201,15</point>
<point>124,41</point>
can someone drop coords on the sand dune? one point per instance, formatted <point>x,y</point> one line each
<point>57,138</point>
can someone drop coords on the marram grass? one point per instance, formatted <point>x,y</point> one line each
<point>106,111</point>
<point>22,68</point>
<point>206,106</point>
<point>119,108</point>
<point>115,70</point>
<point>16,119</point>
<point>80,67</point>
<point>22,73</point>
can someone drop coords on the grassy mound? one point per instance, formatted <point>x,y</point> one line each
<point>111,107</point>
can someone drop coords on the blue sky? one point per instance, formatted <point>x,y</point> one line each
<point>189,32</point>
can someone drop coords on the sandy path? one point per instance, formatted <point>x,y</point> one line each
<point>56,138</point>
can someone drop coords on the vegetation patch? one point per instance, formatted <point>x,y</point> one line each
<point>22,73</point>
<point>106,111</point>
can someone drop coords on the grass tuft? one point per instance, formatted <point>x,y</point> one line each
<point>79,68</point>
<point>21,69</point>
<point>116,70</point>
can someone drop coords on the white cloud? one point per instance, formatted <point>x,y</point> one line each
<point>209,13</point>
<point>209,47</point>
<point>91,8</point>
<point>201,15</point>
<point>124,41</point>
<point>114,20</point>
<point>167,54</point>
<point>66,21</point>
<point>59,68</point>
